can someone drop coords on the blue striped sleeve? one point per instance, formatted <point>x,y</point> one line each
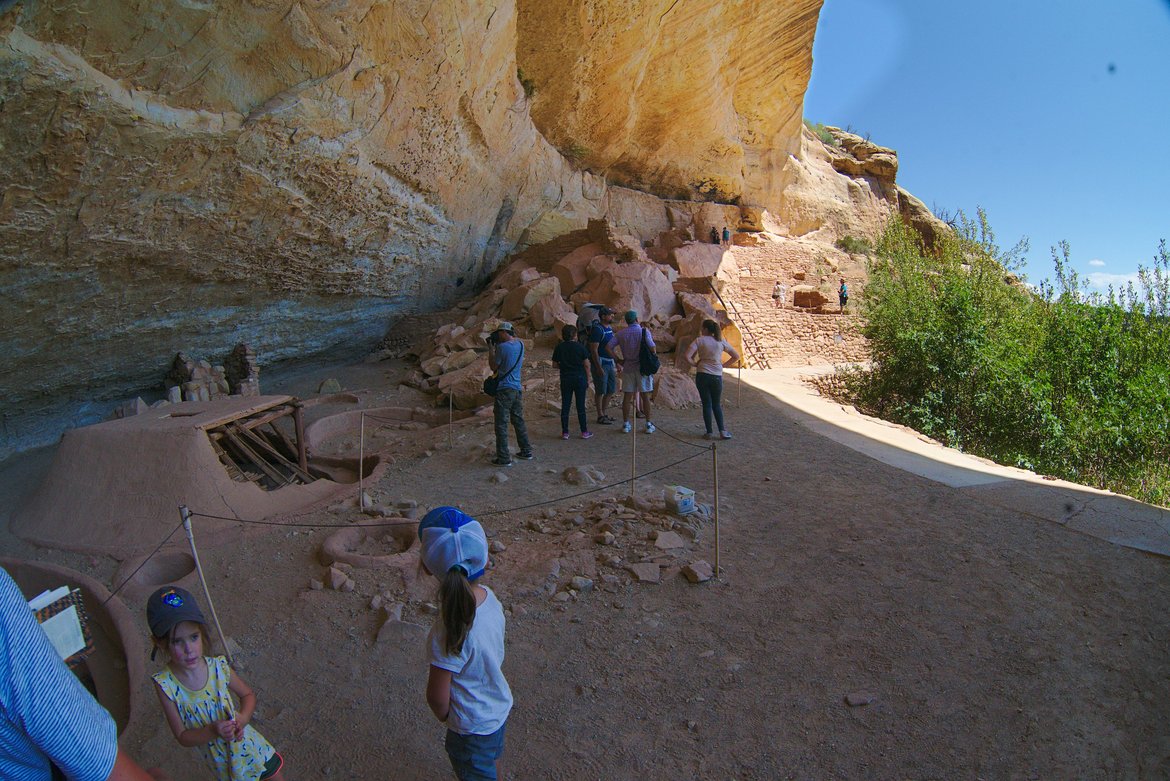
<point>45,712</point>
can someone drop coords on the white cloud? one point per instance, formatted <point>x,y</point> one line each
<point>1096,262</point>
<point>1099,280</point>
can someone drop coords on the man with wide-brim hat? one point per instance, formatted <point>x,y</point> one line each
<point>506,358</point>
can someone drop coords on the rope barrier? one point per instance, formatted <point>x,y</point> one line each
<point>130,577</point>
<point>485,514</point>
<point>679,439</point>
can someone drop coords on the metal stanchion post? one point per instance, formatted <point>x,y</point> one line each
<point>451,421</point>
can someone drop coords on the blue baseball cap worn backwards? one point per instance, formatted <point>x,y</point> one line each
<point>450,538</point>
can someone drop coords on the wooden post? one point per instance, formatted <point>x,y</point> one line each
<point>715,469</point>
<point>451,421</point>
<point>185,514</point>
<point>633,456</point>
<point>361,462</point>
<point>299,423</point>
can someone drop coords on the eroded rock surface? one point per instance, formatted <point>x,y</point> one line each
<point>296,175</point>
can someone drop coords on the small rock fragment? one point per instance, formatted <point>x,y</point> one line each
<point>669,540</point>
<point>698,571</point>
<point>645,573</point>
<point>315,584</point>
<point>497,546</point>
<point>581,583</point>
<point>605,538</point>
<point>336,578</point>
<point>857,699</point>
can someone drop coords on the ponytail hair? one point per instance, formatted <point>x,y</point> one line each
<point>456,609</point>
<point>713,328</point>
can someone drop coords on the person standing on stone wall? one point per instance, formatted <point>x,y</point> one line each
<point>714,235</point>
<point>843,295</point>
<point>505,359</point>
<point>634,383</point>
<point>726,236</point>
<point>777,294</point>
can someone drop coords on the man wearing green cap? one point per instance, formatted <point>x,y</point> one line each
<point>629,343</point>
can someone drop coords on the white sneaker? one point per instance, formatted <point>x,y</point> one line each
<point>627,427</point>
<point>649,427</point>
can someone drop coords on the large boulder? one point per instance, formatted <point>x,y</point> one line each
<point>697,259</point>
<point>517,303</point>
<point>674,389</point>
<point>465,385</point>
<point>552,311</point>
<point>643,287</point>
<point>696,302</point>
<point>570,270</point>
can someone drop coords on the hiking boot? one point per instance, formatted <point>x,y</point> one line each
<point>584,435</point>
<point>650,428</point>
<point>525,455</point>
<point>627,427</point>
<point>501,462</point>
<point>605,420</point>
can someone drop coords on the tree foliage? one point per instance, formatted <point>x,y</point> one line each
<point>1059,380</point>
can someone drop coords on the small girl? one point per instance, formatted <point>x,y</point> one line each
<point>195,693</point>
<point>466,688</point>
<point>706,352</point>
<point>573,359</point>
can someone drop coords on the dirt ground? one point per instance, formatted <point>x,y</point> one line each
<point>972,641</point>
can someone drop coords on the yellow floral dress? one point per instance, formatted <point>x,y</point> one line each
<point>238,760</point>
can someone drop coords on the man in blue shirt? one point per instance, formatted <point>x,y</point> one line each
<point>505,359</point>
<point>604,366</point>
<point>47,718</point>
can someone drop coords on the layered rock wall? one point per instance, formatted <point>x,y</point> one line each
<point>296,175</point>
<point>693,100</point>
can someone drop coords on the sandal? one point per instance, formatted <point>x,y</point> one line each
<point>605,420</point>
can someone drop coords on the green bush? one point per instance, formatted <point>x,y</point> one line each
<point>821,132</point>
<point>575,152</point>
<point>1060,381</point>
<point>854,245</point>
<point>527,84</point>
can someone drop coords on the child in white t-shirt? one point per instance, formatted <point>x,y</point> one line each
<point>466,688</point>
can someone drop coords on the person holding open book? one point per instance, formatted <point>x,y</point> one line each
<point>49,722</point>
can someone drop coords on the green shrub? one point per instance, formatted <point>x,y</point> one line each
<point>854,245</point>
<point>1062,382</point>
<point>821,132</point>
<point>575,152</point>
<point>528,85</point>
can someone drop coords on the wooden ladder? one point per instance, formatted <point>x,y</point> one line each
<point>751,346</point>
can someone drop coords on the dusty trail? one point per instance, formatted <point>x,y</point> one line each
<point>989,643</point>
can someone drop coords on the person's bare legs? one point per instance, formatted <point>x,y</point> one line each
<point>628,408</point>
<point>647,398</point>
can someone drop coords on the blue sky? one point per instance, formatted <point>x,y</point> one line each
<point>1054,117</point>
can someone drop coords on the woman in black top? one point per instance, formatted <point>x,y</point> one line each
<point>572,358</point>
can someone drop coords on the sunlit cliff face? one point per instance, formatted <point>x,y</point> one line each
<point>295,175</point>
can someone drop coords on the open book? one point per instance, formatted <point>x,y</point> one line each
<point>61,614</point>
